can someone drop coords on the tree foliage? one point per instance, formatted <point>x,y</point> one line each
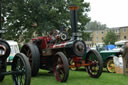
<point>86,36</point>
<point>94,25</point>
<point>24,17</point>
<point>110,38</point>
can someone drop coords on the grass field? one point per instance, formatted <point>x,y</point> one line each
<point>75,78</point>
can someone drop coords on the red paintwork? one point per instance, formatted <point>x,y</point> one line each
<point>45,42</point>
<point>61,45</point>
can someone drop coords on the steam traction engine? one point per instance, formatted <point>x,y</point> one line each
<point>21,71</point>
<point>54,52</point>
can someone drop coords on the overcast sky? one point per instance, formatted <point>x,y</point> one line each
<point>113,13</point>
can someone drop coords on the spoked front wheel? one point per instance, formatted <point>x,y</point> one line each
<point>21,69</point>
<point>61,67</point>
<point>95,62</point>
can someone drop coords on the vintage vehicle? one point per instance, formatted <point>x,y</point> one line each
<point>56,50</point>
<point>108,55</point>
<point>20,71</point>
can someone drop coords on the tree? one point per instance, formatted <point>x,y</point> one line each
<point>110,38</point>
<point>95,26</point>
<point>86,36</point>
<point>24,17</point>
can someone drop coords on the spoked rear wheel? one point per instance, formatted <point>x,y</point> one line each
<point>32,52</point>
<point>21,67</point>
<point>96,64</point>
<point>61,67</point>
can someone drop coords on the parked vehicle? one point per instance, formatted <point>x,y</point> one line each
<point>20,71</point>
<point>108,55</point>
<point>14,49</point>
<point>120,44</point>
<point>55,51</point>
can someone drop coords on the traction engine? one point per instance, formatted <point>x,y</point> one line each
<point>54,52</point>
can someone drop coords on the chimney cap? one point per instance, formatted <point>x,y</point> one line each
<point>73,7</point>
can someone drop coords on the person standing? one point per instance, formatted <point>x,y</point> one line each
<point>125,59</point>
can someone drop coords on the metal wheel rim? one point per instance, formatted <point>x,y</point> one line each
<point>73,63</point>
<point>28,53</point>
<point>111,66</point>
<point>94,67</point>
<point>59,69</point>
<point>20,77</point>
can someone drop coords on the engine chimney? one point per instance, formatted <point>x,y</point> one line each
<point>73,10</point>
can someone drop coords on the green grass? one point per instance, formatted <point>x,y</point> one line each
<point>75,78</point>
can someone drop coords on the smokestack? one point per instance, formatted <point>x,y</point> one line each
<point>0,18</point>
<point>73,10</point>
